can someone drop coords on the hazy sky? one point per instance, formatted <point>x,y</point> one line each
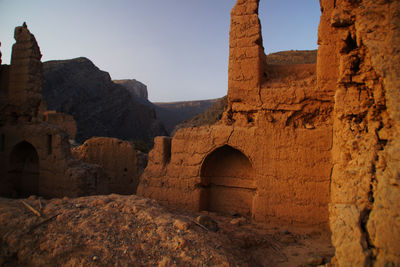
<point>178,48</point>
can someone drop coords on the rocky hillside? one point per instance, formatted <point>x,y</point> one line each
<point>169,113</point>
<point>99,106</point>
<point>135,87</point>
<point>207,117</point>
<point>292,57</point>
<point>173,113</point>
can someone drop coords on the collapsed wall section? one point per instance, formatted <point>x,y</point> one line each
<point>116,157</point>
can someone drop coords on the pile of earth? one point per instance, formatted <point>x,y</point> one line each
<point>119,230</point>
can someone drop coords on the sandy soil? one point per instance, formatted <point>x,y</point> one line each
<point>119,230</point>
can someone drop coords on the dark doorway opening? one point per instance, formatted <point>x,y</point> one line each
<point>24,171</point>
<point>227,178</point>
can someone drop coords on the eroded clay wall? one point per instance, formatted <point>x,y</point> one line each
<point>291,170</point>
<point>58,174</point>
<point>365,192</point>
<point>117,157</point>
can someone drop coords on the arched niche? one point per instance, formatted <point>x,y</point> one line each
<point>227,179</point>
<point>24,170</point>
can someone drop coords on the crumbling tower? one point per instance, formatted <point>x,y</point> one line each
<point>246,55</point>
<point>25,78</point>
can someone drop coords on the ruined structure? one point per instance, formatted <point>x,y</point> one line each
<point>297,145</point>
<point>269,158</point>
<point>117,157</point>
<point>35,155</point>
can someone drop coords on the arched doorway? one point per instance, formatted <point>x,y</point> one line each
<point>24,170</point>
<point>227,178</point>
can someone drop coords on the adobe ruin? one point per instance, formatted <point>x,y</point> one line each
<point>35,157</point>
<point>35,143</point>
<point>303,144</point>
<point>299,144</point>
<point>244,164</point>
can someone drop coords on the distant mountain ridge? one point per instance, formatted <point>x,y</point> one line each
<point>173,113</point>
<point>99,106</point>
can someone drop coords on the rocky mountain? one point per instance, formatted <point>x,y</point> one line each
<point>173,113</point>
<point>169,113</point>
<point>135,87</point>
<point>99,106</point>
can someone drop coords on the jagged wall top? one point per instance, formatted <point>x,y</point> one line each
<point>246,54</point>
<point>25,86</point>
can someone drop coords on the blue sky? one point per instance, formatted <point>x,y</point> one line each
<point>178,48</point>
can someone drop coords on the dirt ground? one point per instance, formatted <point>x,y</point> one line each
<point>119,230</point>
